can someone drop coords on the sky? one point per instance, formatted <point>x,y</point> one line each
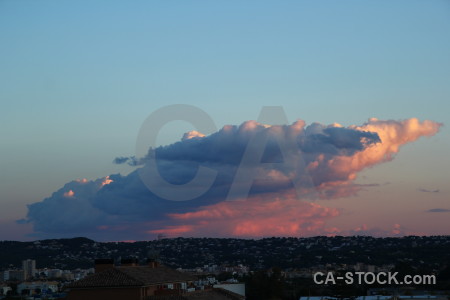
<point>364,86</point>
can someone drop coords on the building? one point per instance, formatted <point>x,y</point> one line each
<point>37,288</point>
<point>54,273</point>
<point>10,275</point>
<point>4,289</point>
<point>29,268</point>
<point>129,281</point>
<point>237,288</point>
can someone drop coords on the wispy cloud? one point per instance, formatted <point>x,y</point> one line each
<point>428,191</point>
<point>438,210</point>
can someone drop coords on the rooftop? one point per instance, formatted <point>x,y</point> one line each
<point>212,294</point>
<point>132,276</point>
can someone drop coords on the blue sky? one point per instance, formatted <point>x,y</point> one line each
<point>78,78</point>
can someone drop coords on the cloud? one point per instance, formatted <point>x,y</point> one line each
<point>428,191</point>
<point>69,209</point>
<point>323,160</point>
<point>131,160</point>
<point>69,194</point>
<point>364,230</point>
<point>329,172</point>
<point>438,210</point>
<point>121,160</point>
<point>253,217</point>
<point>192,134</point>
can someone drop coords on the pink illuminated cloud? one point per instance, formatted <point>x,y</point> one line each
<point>69,194</point>
<point>254,217</point>
<point>334,174</point>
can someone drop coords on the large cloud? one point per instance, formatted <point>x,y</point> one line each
<point>319,160</point>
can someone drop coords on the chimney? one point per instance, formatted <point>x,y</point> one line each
<point>129,262</point>
<point>103,264</point>
<point>152,263</point>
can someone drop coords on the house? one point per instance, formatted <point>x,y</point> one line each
<point>129,281</point>
<point>4,289</point>
<point>37,287</point>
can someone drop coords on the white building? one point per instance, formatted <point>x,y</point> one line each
<point>4,289</point>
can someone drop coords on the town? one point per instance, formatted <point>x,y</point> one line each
<point>269,268</point>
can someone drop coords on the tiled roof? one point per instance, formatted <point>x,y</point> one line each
<point>109,278</point>
<point>157,275</point>
<point>213,294</point>
<point>132,276</point>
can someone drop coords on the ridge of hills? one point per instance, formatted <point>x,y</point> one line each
<point>429,252</point>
